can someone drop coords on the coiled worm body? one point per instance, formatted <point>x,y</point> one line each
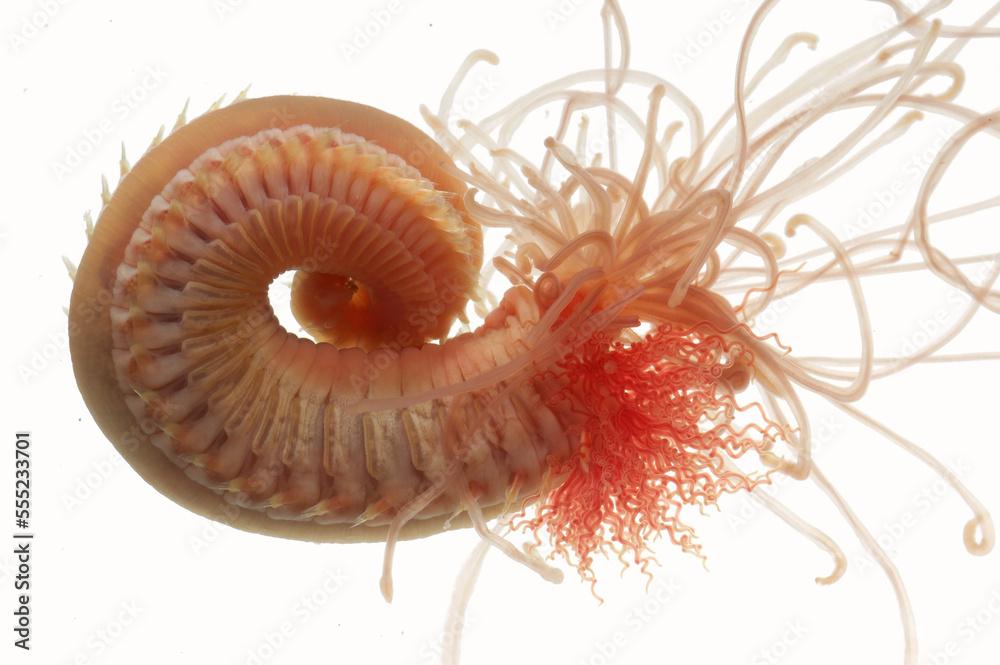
<point>616,382</point>
<point>179,267</point>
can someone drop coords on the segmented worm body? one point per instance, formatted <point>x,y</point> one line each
<point>386,260</point>
<point>618,380</point>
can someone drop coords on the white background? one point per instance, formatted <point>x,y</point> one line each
<point>122,575</point>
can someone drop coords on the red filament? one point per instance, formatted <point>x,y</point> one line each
<point>655,432</point>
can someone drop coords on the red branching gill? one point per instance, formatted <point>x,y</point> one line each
<point>656,430</point>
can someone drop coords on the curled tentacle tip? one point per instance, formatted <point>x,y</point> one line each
<point>979,536</point>
<point>958,82</point>
<point>910,118</point>
<point>795,222</point>
<point>810,39</point>
<point>547,289</point>
<point>485,55</point>
<point>770,460</point>
<point>385,586</point>
<point>776,244</point>
<point>838,571</point>
<point>560,152</point>
<point>553,575</point>
<point>548,573</point>
<point>829,579</point>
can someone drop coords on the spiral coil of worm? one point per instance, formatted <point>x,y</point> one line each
<point>603,392</point>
